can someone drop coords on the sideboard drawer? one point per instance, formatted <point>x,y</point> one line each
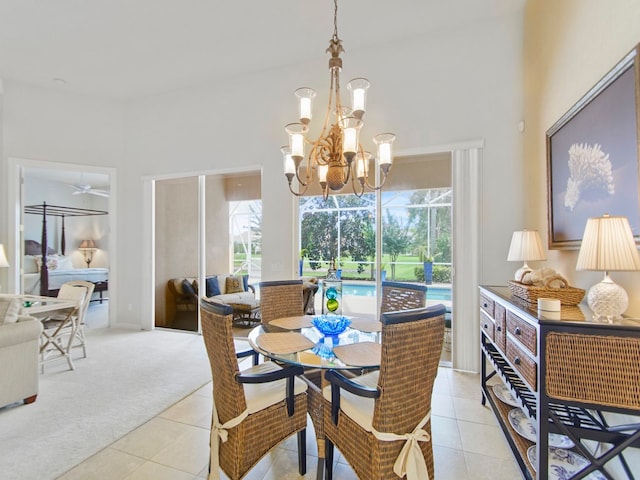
<point>500,328</point>
<point>522,363</point>
<point>523,331</point>
<point>486,304</point>
<point>486,324</point>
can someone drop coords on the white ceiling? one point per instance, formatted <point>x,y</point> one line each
<point>123,49</point>
<point>69,177</point>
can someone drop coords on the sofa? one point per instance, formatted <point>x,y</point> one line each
<point>19,353</point>
<point>182,298</point>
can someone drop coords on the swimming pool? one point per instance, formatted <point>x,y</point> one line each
<point>369,290</point>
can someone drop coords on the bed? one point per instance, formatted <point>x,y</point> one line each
<point>45,270</point>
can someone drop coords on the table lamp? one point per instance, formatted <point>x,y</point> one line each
<point>3,260</point>
<point>88,247</point>
<point>525,246</point>
<point>608,245</point>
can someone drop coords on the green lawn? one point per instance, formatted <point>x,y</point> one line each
<point>405,267</point>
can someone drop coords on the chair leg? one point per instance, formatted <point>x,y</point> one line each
<point>302,451</point>
<point>80,336</point>
<point>328,458</point>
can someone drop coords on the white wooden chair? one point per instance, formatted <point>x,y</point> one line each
<point>79,341</point>
<point>63,332</point>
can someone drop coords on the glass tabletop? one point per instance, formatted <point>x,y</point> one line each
<point>34,304</point>
<point>321,354</point>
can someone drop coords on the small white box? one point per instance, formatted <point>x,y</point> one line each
<point>549,304</point>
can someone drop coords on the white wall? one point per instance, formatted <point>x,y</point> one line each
<point>48,126</point>
<point>567,49</point>
<point>449,87</point>
<point>439,89</point>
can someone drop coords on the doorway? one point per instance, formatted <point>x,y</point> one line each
<point>195,236</point>
<point>80,207</point>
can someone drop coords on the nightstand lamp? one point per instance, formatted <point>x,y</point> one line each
<point>608,245</point>
<point>525,246</point>
<point>88,248</point>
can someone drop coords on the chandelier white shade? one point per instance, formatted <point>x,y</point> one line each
<point>336,156</point>
<point>526,245</point>
<point>608,245</point>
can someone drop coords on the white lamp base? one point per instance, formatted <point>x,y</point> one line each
<point>608,300</point>
<point>521,272</point>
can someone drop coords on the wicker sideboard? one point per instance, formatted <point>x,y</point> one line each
<point>569,375</point>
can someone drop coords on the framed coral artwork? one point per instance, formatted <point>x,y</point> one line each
<point>592,156</point>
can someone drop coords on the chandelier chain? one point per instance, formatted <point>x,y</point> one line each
<point>335,20</point>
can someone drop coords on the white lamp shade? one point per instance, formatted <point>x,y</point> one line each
<point>3,257</point>
<point>526,245</point>
<point>87,245</point>
<point>608,245</point>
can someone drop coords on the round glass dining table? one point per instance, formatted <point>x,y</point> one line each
<point>318,351</point>
<point>357,348</point>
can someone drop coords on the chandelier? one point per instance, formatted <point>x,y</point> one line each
<point>336,156</point>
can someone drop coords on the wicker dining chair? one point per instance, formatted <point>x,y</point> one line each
<point>398,296</point>
<point>253,410</point>
<point>369,418</point>
<point>281,298</point>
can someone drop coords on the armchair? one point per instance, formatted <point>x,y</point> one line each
<point>19,345</point>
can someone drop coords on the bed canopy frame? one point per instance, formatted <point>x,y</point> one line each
<point>55,211</point>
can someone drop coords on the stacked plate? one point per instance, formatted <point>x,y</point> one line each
<point>564,463</point>
<point>504,394</point>
<point>525,428</point>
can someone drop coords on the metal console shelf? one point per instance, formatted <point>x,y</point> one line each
<point>568,374</point>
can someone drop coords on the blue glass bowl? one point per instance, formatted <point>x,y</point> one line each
<point>331,324</point>
<point>322,350</point>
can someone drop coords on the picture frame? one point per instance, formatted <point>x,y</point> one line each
<point>592,157</point>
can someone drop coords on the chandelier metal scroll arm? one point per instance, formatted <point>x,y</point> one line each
<point>292,169</point>
<point>373,187</point>
<point>354,186</point>
<point>299,193</point>
<point>308,177</point>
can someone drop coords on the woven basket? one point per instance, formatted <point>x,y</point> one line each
<point>531,293</point>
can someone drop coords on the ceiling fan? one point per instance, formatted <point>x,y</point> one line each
<point>85,188</point>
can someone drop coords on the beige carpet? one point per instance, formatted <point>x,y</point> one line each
<point>128,378</point>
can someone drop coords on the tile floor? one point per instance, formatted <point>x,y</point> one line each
<point>467,443</point>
